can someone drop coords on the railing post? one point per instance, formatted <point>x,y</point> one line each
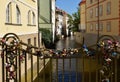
<point>116,69</point>
<point>38,68</point>
<point>3,59</point>
<point>90,69</point>
<point>43,69</point>
<point>16,62</point>
<point>25,67</point>
<point>31,67</point>
<point>50,69</point>
<point>19,67</point>
<point>83,68</point>
<point>63,71</point>
<point>76,69</point>
<point>57,70</point>
<point>70,70</point>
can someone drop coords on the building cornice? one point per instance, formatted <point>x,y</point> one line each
<point>82,2</point>
<point>26,4</point>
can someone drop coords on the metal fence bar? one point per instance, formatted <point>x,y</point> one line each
<point>31,67</point>
<point>3,71</point>
<point>50,69</point>
<point>43,69</point>
<point>2,65</point>
<point>63,70</point>
<point>25,67</point>
<point>112,65</point>
<point>19,67</point>
<point>90,69</point>
<point>116,69</point>
<point>7,79</point>
<point>83,68</point>
<point>16,62</point>
<point>70,70</point>
<point>76,69</point>
<point>38,69</point>
<point>16,80</point>
<point>57,70</point>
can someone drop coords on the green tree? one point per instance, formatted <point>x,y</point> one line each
<point>76,20</point>
<point>47,38</point>
<point>70,20</point>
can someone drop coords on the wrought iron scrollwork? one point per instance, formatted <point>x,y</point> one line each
<point>13,53</point>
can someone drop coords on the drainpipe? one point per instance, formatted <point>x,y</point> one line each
<point>98,23</point>
<point>38,40</point>
<point>97,59</point>
<point>38,23</point>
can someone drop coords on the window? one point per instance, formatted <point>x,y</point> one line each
<point>29,17</point>
<point>91,1</point>
<point>91,13</point>
<point>91,27</point>
<point>96,11</point>
<point>33,18</point>
<point>8,13</point>
<point>96,26</point>
<point>101,26</point>
<point>108,26</point>
<point>108,8</point>
<point>18,15</point>
<point>100,10</point>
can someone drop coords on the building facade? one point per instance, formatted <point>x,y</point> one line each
<point>61,22</point>
<point>45,7</point>
<point>53,19</point>
<point>102,16</point>
<point>19,17</point>
<point>82,15</point>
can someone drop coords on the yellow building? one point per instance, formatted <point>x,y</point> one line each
<point>108,16</point>
<point>82,15</point>
<point>19,17</point>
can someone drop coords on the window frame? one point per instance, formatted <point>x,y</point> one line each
<point>33,18</point>
<point>96,11</point>
<point>100,10</point>
<point>108,8</point>
<point>18,15</point>
<point>108,29</point>
<point>96,26</point>
<point>29,17</point>
<point>91,13</point>
<point>8,13</point>
<point>101,26</point>
<point>91,27</point>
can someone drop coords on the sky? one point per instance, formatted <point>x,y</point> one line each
<point>70,6</point>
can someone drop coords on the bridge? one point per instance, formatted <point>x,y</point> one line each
<point>23,62</point>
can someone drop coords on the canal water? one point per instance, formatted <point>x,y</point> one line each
<point>70,72</point>
<point>82,69</point>
<point>63,70</point>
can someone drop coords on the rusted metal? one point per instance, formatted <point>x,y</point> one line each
<point>13,55</point>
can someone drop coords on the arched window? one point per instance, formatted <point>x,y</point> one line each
<point>29,17</point>
<point>33,18</point>
<point>18,18</point>
<point>8,13</point>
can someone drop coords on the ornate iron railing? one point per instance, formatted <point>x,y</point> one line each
<point>14,52</point>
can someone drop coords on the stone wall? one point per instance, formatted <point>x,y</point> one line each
<point>89,39</point>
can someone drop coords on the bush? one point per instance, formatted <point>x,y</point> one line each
<point>47,38</point>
